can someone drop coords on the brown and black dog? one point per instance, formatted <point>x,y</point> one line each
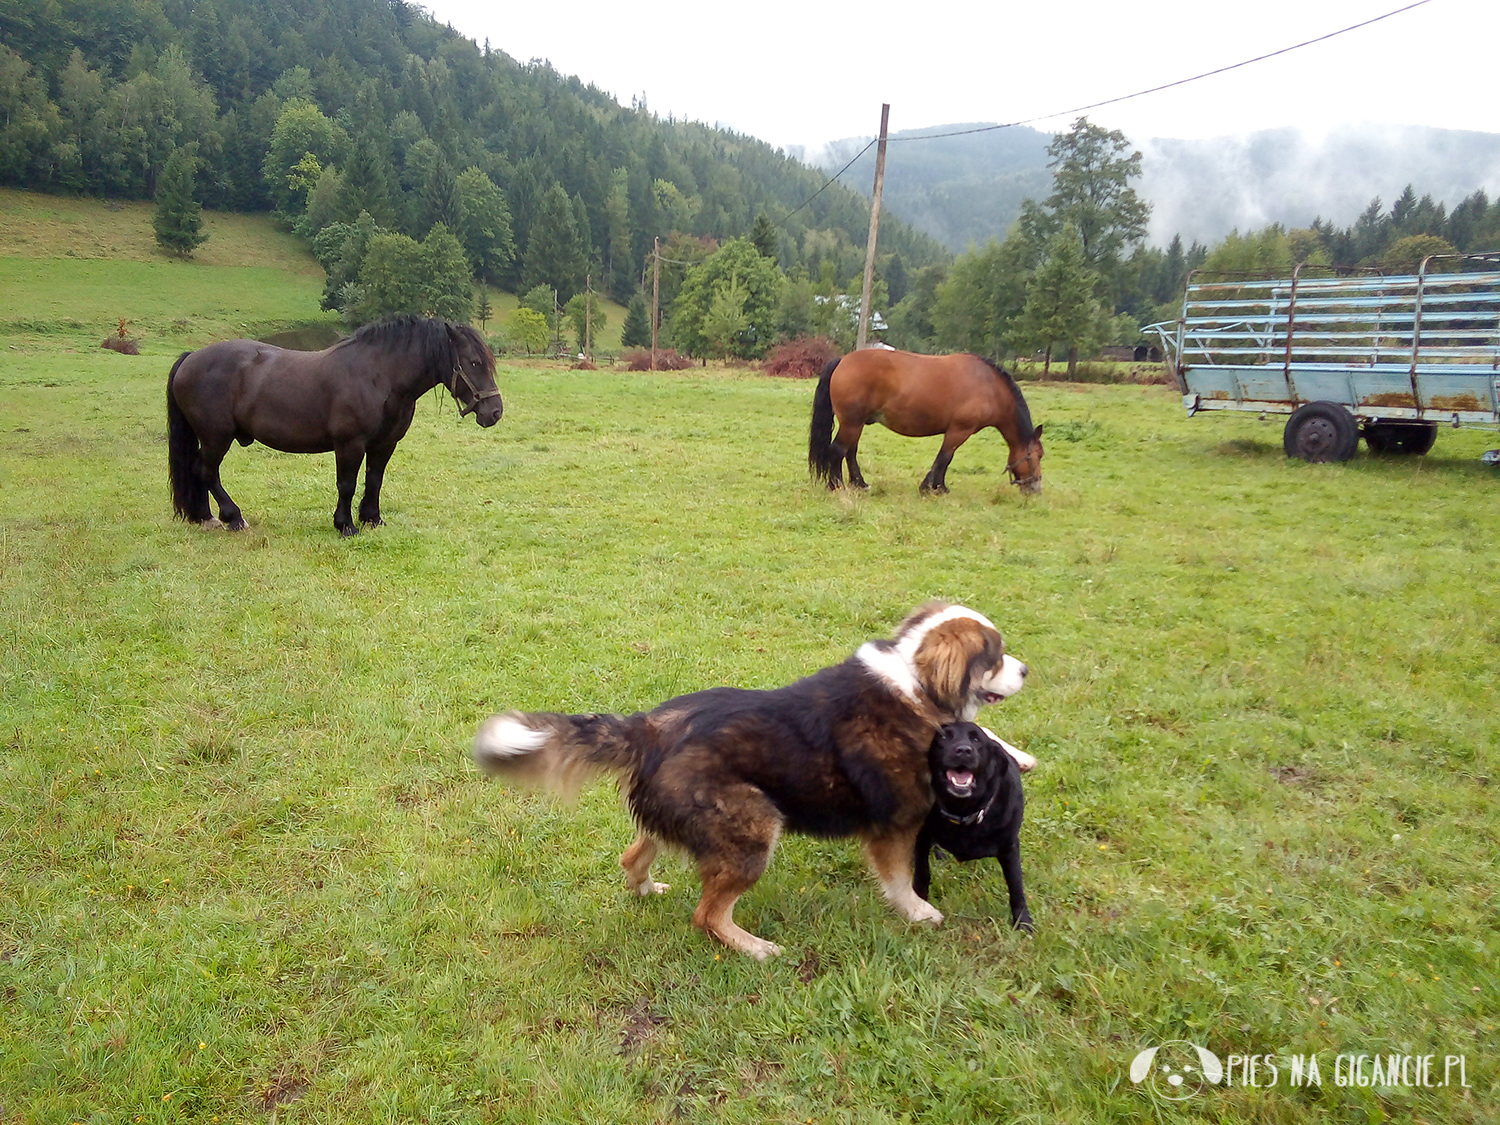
<point>721,774</point>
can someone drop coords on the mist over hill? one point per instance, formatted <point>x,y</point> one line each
<point>1204,189</point>
<point>968,189</point>
<point>961,190</point>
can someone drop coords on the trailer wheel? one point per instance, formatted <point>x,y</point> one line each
<point>1410,438</point>
<point>1321,431</point>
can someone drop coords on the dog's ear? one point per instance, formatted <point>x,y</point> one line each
<point>948,657</point>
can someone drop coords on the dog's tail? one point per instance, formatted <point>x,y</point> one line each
<point>559,752</point>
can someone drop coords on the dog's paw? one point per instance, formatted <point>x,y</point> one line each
<point>760,949</point>
<point>1024,761</point>
<point>648,888</point>
<point>924,912</point>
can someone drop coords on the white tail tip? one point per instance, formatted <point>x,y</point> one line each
<point>503,737</point>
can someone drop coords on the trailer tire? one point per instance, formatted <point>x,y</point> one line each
<point>1403,438</point>
<point>1321,431</point>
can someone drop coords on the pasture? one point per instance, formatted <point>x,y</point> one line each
<point>252,875</point>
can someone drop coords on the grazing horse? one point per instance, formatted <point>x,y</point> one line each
<point>919,396</point>
<point>355,399</point>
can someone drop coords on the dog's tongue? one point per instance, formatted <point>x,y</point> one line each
<point>960,779</point>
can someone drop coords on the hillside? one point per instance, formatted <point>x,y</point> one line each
<point>389,106</point>
<point>968,189</point>
<point>71,268</point>
<point>960,190</point>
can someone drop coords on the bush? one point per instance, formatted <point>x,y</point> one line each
<point>122,344</point>
<point>803,358</point>
<point>667,359</point>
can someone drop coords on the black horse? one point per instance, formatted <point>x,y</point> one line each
<point>355,399</point>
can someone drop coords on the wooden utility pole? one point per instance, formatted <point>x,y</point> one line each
<point>864,301</point>
<point>588,316</point>
<point>655,294</point>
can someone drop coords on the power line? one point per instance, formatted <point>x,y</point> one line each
<point>1141,93</point>
<point>828,183</point>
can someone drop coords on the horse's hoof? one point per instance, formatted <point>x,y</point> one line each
<point>237,524</point>
<point>376,522</point>
<point>348,531</point>
<point>210,524</point>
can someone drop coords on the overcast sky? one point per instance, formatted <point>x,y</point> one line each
<point>804,73</point>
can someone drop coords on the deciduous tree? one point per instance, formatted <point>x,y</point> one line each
<point>736,267</point>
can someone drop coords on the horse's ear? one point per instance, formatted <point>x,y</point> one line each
<point>1038,431</point>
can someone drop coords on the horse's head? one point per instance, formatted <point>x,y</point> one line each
<point>1025,465</point>
<point>473,382</point>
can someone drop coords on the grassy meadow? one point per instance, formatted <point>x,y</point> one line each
<point>252,875</point>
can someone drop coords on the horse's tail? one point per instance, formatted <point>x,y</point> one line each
<point>820,459</point>
<point>184,457</point>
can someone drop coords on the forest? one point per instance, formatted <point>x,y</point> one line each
<point>416,162</point>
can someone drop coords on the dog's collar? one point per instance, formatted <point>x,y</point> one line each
<point>972,818</point>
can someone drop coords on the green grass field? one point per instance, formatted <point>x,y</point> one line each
<point>252,875</point>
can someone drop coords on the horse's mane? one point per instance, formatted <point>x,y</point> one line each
<point>1025,431</point>
<point>431,337</point>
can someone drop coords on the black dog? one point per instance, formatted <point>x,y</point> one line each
<point>978,810</point>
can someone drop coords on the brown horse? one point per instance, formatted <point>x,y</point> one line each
<point>919,396</point>
<point>355,399</point>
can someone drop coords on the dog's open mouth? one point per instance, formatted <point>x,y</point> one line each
<point>990,697</point>
<point>960,782</point>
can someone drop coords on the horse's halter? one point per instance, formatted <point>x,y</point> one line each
<point>479,396</point>
<point>1020,481</point>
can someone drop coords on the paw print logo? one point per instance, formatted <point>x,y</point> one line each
<point>1176,1070</point>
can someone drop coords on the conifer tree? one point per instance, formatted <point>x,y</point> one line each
<point>636,331</point>
<point>554,252</point>
<point>441,200</point>
<point>763,235</point>
<point>178,220</point>
<point>366,182</point>
<point>1060,305</point>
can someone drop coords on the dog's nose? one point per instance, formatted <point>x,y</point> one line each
<point>1023,671</point>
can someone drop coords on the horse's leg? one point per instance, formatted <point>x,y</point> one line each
<point>229,512</point>
<point>856,478</point>
<point>936,479</point>
<point>346,460</point>
<point>845,442</point>
<point>369,504</point>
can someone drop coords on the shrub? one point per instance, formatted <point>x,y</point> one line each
<point>803,358</point>
<point>122,344</point>
<point>667,359</point>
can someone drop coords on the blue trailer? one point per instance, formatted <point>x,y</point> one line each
<point>1345,355</point>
